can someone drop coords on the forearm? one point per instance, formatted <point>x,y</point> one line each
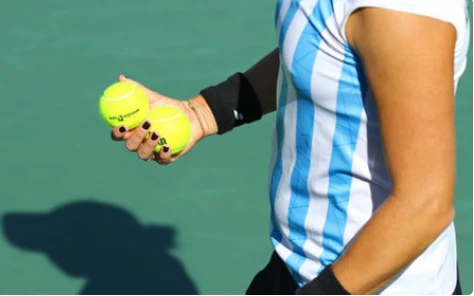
<point>392,239</point>
<point>408,62</point>
<point>244,97</point>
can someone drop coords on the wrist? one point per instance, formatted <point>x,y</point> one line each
<point>233,103</point>
<point>202,116</point>
<point>325,284</point>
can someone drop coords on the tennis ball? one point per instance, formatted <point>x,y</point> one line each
<point>124,103</point>
<point>172,125</point>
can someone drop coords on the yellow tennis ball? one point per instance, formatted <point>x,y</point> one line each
<point>124,103</point>
<point>172,125</point>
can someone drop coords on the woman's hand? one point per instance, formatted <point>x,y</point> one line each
<point>201,119</point>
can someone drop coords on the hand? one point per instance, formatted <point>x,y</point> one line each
<point>135,139</point>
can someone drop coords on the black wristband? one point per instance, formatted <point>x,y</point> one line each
<point>325,284</point>
<point>223,113</point>
<point>233,103</point>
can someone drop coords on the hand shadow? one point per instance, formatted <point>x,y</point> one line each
<point>104,244</point>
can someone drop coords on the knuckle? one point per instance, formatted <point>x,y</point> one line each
<point>130,146</point>
<point>166,160</point>
<point>142,155</point>
<point>150,143</point>
<point>114,136</point>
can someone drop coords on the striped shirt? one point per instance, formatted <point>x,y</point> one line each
<point>328,170</point>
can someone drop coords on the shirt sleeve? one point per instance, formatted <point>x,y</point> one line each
<point>454,12</point>
<point>451,11</point>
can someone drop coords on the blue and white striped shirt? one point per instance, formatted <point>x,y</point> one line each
<point>328,170</point>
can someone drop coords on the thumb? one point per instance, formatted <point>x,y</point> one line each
<point>150,93</point>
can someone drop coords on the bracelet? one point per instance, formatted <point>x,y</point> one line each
<point>191,105</point>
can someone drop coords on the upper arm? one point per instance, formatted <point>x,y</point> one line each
<point>409,63</point>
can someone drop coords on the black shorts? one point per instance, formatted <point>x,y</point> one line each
<point>275,279</point>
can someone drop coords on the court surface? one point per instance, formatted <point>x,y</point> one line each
<point>79,213</point>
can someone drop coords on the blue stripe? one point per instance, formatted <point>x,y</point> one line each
<point>278,168</point>
<point>348,117</point>
<point>277,11</point>
<point>305,55</point>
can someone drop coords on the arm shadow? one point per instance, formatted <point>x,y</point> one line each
<point>104,244</point>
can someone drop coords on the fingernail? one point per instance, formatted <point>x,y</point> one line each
<point>166,149</point>
<point>122,129</point>
<point>146,125</point>
<point>154,136</point>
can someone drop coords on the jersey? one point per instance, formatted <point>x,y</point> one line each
<point>328,172</point>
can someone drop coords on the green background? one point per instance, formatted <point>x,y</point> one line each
<point>197,226</point>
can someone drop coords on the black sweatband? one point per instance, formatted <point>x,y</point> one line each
<point>325,284</point>
<point>233,103</point>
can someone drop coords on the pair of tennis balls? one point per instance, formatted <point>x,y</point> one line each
<point>125,103</point>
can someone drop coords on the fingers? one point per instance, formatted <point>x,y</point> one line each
<point>147,91</point>
<point>164,156</point>
<point>125,78</point>
<point>147,152</point>
<point>120,133</point>
<point>138,136</point>
<point>147,149</point>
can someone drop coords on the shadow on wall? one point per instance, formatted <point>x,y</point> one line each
<point>104,244</point>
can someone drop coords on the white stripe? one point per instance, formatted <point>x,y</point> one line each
<point>166,119</point>
<point>288,154</point>
<point>324,96</point>
<point>283,250</point>
<point>283,193</point>
<point>274,141</point>
<point>281,15</point>
<point>122,97</point>
<point>274,137</point>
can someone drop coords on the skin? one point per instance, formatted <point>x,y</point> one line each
<point>408,60</point>
<point>202,125</point>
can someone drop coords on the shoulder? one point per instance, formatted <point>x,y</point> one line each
<point>454,12</point>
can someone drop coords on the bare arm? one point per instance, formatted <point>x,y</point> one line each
<point>252,94</point>
<point>408,60</point>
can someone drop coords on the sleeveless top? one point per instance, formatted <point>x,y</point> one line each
<point>328,171</point>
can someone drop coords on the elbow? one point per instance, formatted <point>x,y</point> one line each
<point>441,215</point>
<point>438,210</point>
<point>434,207</point>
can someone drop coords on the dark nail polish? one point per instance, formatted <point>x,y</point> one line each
<point>146,125</point>
<point>154,136</point>
<point>166,149</point>
<point>122,129</point>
